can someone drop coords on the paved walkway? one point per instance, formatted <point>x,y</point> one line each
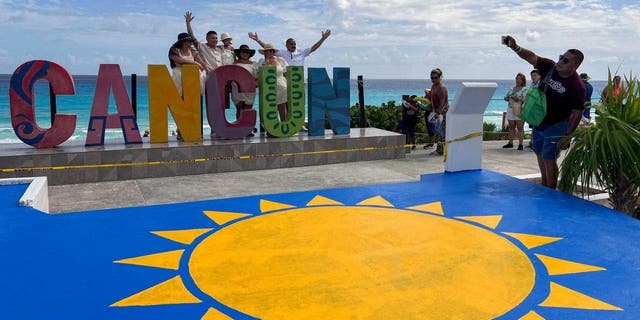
<point>89,196</point>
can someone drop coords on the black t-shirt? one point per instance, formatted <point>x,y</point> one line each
<point>563,94</point>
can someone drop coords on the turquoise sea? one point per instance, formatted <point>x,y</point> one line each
<point>376,92</point>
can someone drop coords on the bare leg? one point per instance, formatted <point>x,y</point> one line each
<point>512,129</point>
<point>542,167</point>
<point>551,168</point>
<point>282,111</point>
<point>520,128</point>
<point>239,106</point>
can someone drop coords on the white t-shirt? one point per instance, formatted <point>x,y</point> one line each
<point>212,56</point>
<point>295,58</point>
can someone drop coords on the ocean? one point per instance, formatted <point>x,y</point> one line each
<point>376,92</point>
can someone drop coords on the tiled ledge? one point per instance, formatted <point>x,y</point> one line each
<point>75,163</point>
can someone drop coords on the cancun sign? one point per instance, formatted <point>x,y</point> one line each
<point>324,99</point>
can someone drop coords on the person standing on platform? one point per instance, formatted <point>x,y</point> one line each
<point>586,114</point>
<point>439,106</point>
<point>271,59</point>
<point>210,52</point>
<point>294,56</point>
<point>514,97</point>
<point>565,94</point>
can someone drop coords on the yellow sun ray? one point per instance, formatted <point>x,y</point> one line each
<point>320,201</point>
<point>266,206</point>
<point>434,207</point>
<point>221,217</point>
<point>487,221</point>
<point>375,201</point>
<point>171,291</point>
<point>164,260</point>
<point>182,236</point>
<point>213,314</point>
<point>532,315</point>
<point>557,266</point>
<point>531,240</point>
<point>563,297</point>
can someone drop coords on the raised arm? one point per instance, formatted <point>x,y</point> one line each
<point>325,35</point>
<point>254,36</point>
<point>523,53</point>
<point>188,17</point>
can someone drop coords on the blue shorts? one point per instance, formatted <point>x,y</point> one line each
<point>545,137</point>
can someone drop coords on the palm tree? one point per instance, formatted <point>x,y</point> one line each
<point>606,155</point>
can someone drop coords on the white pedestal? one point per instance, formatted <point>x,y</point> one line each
<point>465,117</point>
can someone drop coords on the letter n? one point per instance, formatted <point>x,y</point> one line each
<point>186,112</point>
<point>22,107</point>
<point>110,77</point>
<point>326,101</point>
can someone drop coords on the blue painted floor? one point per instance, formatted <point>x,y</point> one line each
<point>585,257</point>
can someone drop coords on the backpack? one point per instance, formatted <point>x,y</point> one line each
<point>535,104</point>
<point>535,107</point>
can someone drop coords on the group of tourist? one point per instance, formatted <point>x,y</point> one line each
<point>210,55</point>
<point>437,98</point>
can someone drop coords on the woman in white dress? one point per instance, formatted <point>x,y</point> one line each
<point>182,53</point>
<point>243,59</point>
<point>516,96</point>
<point>271,59</point>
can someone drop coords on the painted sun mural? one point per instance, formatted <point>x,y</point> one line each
<point>368,260</point>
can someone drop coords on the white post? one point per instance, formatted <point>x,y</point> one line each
<point>464,126</point>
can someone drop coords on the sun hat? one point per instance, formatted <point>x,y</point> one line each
<point>244,47</point>
<point>584,77</point>
<point>184,36</point>
<point>225,36</point>
<point>268,46</point>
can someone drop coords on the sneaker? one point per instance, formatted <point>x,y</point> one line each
<point>507,146</point>
<point>413,147</point>
<point>520,147</point>
<point>428,145</point>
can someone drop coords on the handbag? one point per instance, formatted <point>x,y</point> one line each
<point>517,108</point>
<point>535,104</point>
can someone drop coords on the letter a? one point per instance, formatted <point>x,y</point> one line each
<point>110,76</point>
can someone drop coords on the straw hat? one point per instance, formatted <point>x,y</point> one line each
<point>224,36</point>
<point>268,46</point>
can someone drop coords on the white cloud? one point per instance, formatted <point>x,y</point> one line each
<point>390,39</point>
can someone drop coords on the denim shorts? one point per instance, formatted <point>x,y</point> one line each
<point>545,139</point>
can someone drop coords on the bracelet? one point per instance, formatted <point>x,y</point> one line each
<point>518,49</point>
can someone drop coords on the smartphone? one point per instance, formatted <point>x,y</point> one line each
<point>505,40</point>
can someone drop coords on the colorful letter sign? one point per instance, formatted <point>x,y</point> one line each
<point>110,76</point>
<point>326,101</point>
<point>216,97</point>
<point>185,110</point>
<point>269,105</point>
<point>22,106</point>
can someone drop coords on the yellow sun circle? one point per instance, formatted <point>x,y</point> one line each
<point>361,262</point>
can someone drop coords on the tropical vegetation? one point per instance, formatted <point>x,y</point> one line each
<point>605,155</point>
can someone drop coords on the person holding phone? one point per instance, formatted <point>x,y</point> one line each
<point>565,95</point>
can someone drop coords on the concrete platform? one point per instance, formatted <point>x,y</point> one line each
<point>74,163</point>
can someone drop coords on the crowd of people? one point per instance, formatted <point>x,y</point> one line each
<point>208,56</point>
<point>568,95</point>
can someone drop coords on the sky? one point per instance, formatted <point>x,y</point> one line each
<point>388,39</point>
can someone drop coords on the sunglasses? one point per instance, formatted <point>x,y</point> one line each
<point>563,59</point>
<point>435,78</point>
<point>245,51</point>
